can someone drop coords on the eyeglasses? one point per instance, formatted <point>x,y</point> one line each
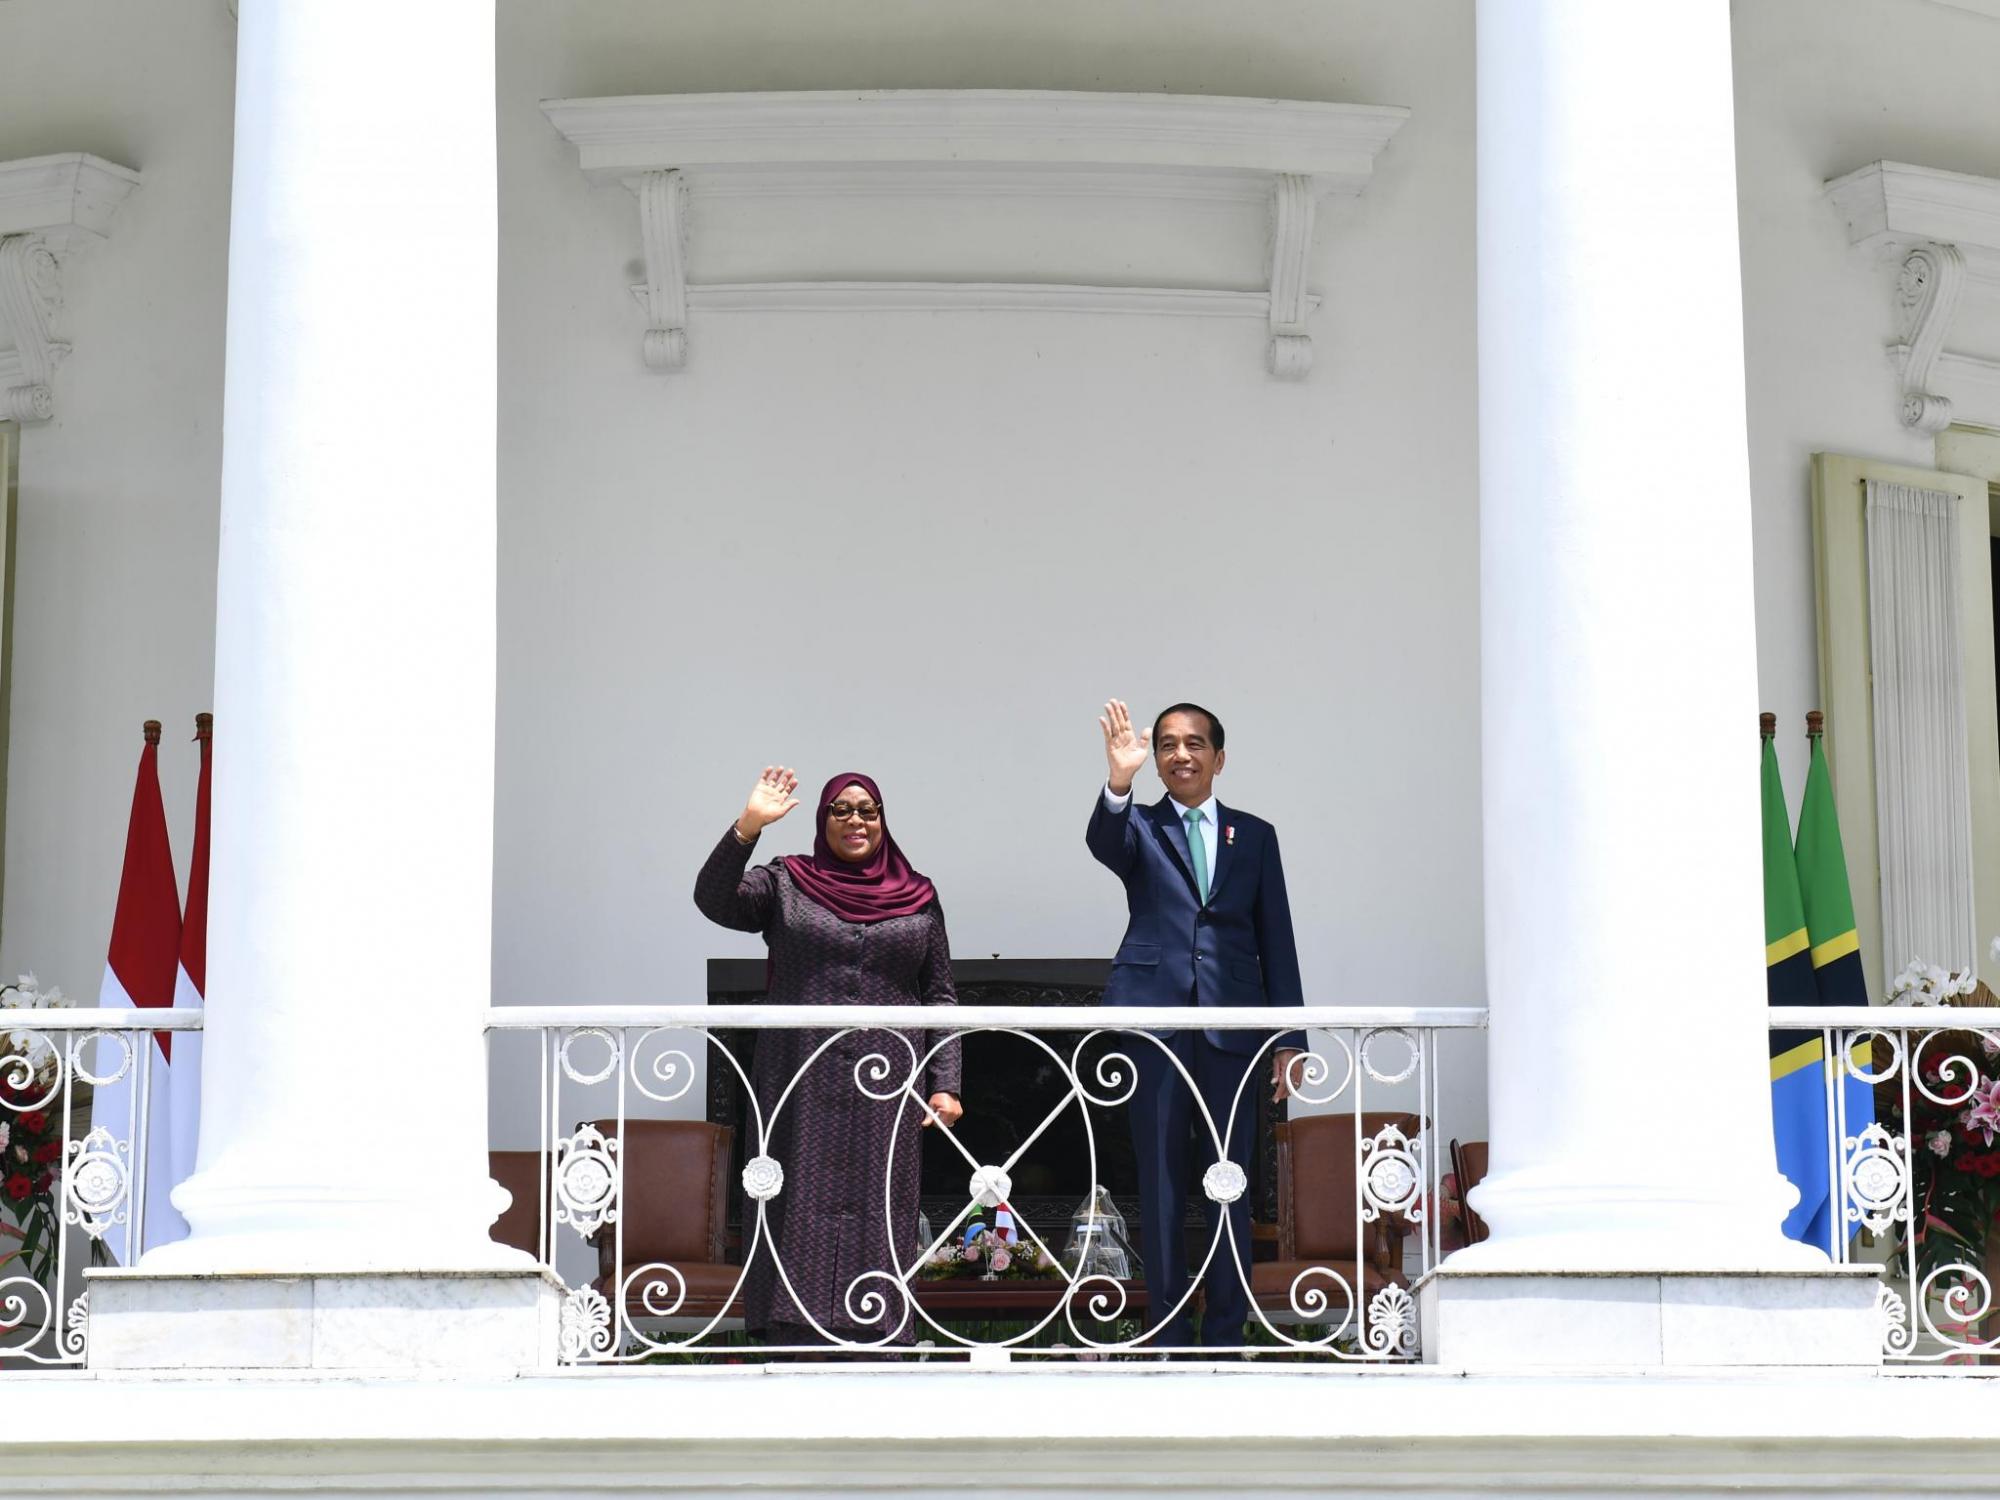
<point>867,812</point>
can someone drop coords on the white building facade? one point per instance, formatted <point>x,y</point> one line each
<point>513,495</point>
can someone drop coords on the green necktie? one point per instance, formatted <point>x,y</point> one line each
<point>1199,852</point>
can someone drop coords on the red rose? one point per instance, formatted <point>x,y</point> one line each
<point>18,1187</point>
<point>48,1151</point>
<point>35,1121</point>
<point>42,1182</point>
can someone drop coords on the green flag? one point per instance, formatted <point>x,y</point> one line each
<point>1787,965</point>
<point>1829,905</point>
<point>1818,1135</point>
<point>1798,1087</point>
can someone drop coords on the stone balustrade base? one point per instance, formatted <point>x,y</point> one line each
<point>407,1321</point>
<point>1619,1320</point>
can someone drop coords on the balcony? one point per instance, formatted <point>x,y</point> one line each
<point>652,1279</point>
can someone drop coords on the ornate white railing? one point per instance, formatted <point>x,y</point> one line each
<point>601,1067</point>
<point>1910,1095</point>
<point>76,1089</point>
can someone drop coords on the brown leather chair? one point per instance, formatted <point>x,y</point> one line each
<point>1318,1219</point>
<point>675,1212</point>
<point>1468,1165</point>
<point>520,1173</point>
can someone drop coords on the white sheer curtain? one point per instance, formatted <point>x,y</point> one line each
<point>1922,793</point>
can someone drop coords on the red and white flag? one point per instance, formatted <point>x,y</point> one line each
<point>191,979</point>
<point>145,952</point>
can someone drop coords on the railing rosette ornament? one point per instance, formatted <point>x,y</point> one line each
<point>97,1182</point>
<point>1224,1182</point>
<point>1392,1175</point>
<point>587,1180</point>
<point>763,1178</point>
<point>1878,1178</point>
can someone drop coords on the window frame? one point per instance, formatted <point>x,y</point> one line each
<point>1840,564</point>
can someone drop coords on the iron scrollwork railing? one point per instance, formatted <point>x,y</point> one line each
<point>76,1090</point>
<point>1341,1297</point>
<point>1913,1115</point>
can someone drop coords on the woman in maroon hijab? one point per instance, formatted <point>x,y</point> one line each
<point>849,924</point>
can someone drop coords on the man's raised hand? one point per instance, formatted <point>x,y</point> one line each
<point>1124,751</point>
<point>770,799</point>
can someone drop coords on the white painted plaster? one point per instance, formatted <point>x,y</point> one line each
<point>1342,508</point>
<point>1239,1431</point>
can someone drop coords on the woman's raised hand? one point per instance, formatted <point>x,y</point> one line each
<point>1124,751</point>
<point>770,799</point>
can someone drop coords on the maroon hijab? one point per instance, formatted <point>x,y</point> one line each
<point>883,887</point>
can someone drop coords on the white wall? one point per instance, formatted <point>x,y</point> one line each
<point>1024,486</point>
<point>1823,89</point>
<point>114,608</point>
<point>929,546</point>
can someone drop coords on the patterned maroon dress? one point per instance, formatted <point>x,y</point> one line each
<point>828,1225</point>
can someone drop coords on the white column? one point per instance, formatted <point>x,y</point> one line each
<point>343,1108</point>
<point>1628,1070</point>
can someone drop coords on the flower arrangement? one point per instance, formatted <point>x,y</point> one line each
<point>1955,1145</point>
<point>31,1134</point>
<point>984,1251</point>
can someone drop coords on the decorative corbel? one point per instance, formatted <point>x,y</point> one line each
<point>1266,161</point>
<point>1927,291</point>
<point>1291,349</point>
<point>663,230</point>
<point>30,299</point>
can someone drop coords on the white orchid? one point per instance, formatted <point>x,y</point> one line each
<point>1928,984</point>
<point>26,993</point>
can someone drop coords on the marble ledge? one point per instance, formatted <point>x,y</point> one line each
<point>400,1320</point>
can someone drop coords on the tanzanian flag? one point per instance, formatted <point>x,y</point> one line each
<point>1836,955</point>
<point>1798,1081</point>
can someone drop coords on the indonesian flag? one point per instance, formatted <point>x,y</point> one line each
<point>145,951</point>
<point>191,979</point>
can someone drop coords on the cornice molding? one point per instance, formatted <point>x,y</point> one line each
<point>1273,157</point>
<point>1941,231</point>
<point>47,205</point>
<point>621,137</point>
<point>974,296</point>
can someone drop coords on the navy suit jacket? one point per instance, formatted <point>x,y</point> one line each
<point>1237,949</point>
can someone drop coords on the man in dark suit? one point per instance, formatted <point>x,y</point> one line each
<point>1209,925</point>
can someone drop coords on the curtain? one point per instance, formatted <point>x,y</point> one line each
<point>1922,790</point>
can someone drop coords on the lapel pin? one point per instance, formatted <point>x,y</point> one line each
<point>1229,833</point>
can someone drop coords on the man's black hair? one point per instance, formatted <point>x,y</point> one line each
<point>1214,724</point>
